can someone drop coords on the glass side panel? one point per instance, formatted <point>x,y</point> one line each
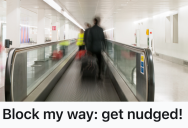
<point>130,66</point>
<point>32,67</point>
<point>126,62</point>
<point>110,49</point>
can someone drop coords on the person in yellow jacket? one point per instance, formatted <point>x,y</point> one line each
<point>64,46</point>
<point>80,40</point>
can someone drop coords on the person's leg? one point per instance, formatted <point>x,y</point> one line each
<point>83,47</point>
<point>80,48</point>
<point>98,55</point>
<point>62,49</point>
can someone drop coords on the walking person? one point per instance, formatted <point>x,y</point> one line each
<point>96,43</point>
<point>80,40</point>
<point>86,34</point>
<point>81,45</point>
<point>1,47</point>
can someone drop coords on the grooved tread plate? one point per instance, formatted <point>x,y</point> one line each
<point>72,88</point>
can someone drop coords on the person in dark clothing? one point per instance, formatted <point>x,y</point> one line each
<point>86,34</point>
<point>96,43</point>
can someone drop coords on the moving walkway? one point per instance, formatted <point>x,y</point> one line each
<point>33,74</point>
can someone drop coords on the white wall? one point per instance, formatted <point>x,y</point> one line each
<point>109,34</point>
<point>33,34</point>
<point>182,49</point>
<point>142,27</point>
<point>177,50</point>
<point>124,32</point>
<point>48,33</point>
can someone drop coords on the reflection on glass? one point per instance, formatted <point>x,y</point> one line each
<point>125,61</point>
<point>37,64</point>
<point>134,77</point>
<point>110,49</point>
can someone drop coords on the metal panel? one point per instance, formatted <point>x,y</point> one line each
<point>20,72</point>
<point>141,80</point>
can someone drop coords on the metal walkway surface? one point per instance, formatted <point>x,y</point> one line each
<point>71,87</point>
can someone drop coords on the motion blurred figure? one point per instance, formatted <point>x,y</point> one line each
<point>96,42</point>
<point>64,47</point>
<point>86,34</point>
<point>80,40</point>
<point>1,62</point>
<point>1,48</point>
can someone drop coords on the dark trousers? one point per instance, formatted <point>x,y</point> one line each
<point>99,60</point>
<point>82,47</point>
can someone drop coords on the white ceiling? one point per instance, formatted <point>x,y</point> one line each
<point>117,10</point>
<point>84,10</point>
<point>29,9</point>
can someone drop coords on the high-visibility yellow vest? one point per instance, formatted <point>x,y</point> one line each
<point>65,43</point>
<point>80,40</point>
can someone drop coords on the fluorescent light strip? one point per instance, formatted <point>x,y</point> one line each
<point>72,20</point>
<point>54,5</point>
<point>109,29</point>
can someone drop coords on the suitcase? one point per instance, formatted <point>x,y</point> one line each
<point>89,67</point>
<point>80,54</point>
<point>57,55</point>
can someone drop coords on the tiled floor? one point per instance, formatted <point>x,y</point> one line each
<point>171,81</point>
<point>2,96</point>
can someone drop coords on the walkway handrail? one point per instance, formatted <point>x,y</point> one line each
<point>11,60</point>
<point>148,65</point>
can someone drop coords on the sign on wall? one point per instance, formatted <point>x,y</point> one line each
<point>53,28</point>
<point>24,35</point>
<point>147,31</point>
